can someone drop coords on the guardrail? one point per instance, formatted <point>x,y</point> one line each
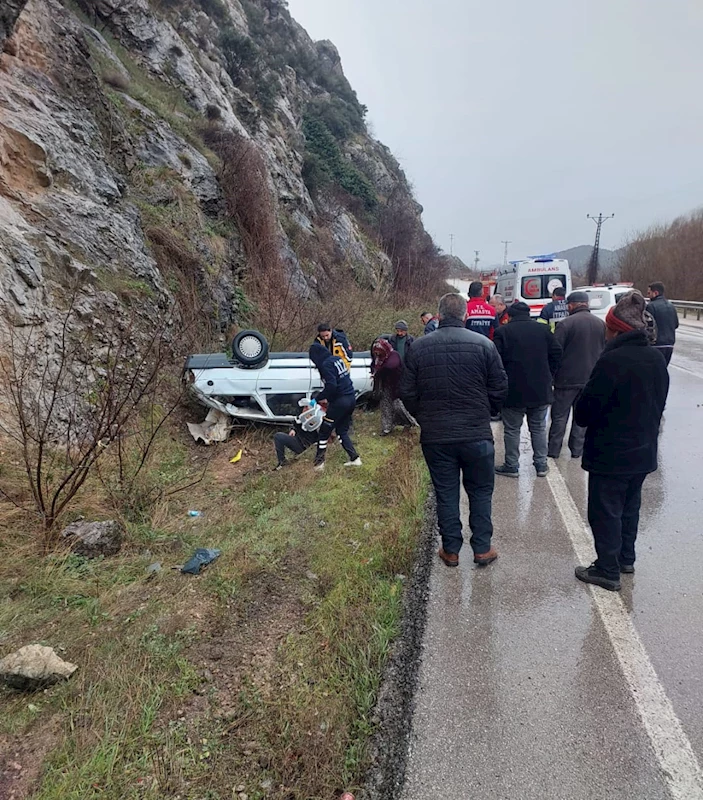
<point>688,305</point>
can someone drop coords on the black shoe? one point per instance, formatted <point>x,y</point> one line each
<point>598,578</point>
<point>496,418</point>
<point>280,465</point>
<point>549,455</point>
<point>542,471</point>
<point>574,455</point>
<point>509,471</point>
<point>627,569</point>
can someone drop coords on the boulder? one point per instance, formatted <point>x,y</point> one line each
<point>93,539</point>
<point>34,667</point>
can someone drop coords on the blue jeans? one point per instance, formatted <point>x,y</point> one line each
<point>474,462</point>
<point>537,423</point>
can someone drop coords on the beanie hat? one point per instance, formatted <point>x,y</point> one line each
<point>628,314</point>
<point>577,297</point>
<point>401,325</point>
<point>519,311</point>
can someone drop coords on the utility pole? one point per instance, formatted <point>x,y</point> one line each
<point>451,244</point>
<point>476,260</point>
<point>505,253</point>
<point>592,274</point>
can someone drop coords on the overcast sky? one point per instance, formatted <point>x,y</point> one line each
<point>515,119</point>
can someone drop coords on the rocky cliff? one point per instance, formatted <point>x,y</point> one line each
<point>206,153</point>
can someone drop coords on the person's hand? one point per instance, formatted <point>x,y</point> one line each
<point>291,432</point>
<point>323,405</point>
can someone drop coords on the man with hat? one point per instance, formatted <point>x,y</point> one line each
<point>530,355</point>
<point>401,340</point>
<point>620,408</point>
<point>582,338</point>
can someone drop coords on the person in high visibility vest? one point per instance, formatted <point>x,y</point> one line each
<point>555,310</point>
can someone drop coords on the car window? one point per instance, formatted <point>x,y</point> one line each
<point>618,296</point>
<point>598,300</point>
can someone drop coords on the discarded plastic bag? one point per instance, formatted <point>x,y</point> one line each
<point>215,428</point>
<point>200,558</point>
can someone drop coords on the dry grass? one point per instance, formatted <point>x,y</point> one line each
<point>263,671</point>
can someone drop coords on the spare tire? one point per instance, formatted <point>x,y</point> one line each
<point>250,348</point>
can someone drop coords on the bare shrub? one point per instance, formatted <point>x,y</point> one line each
<point>672,254</point>
<point>250,203</point>
<point>68,398</point>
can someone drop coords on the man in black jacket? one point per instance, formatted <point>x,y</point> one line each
<point>452,383</point>
<point>531,355</point>
<point>341,398</point>
<point>621,408</point>
<point>666,318</point>
<point>582,338</point>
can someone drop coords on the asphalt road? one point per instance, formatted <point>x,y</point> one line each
<point>533,685</point>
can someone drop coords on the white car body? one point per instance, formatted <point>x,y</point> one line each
<point>266,393</point>
<point>602,298</point>
<point>532,281</point>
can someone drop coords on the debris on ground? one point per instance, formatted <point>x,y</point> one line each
<point>94,539</point>
<point>215,428</point>
<point>154,568</point>
<point>236,458</point>
<point>34,667</point>
<point>201,558</point>
<point>193,513</point>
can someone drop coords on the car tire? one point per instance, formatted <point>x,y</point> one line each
<point>250,348</point>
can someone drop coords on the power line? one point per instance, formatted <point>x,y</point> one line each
<point>592,274</point>
<point>506,242</point>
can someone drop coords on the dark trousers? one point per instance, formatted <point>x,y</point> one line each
<point>474,462</point>
<point>667,352</point>
<point>338,418</point>
<point>564,401</point>
<point>283,442</point>
<point>614,514</point>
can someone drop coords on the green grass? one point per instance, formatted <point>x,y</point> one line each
<point>303,603</point>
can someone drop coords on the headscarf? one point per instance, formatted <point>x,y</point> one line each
<point>380,350</point>
<point>628,314</point>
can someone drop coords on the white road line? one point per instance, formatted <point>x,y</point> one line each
<point>679,765</point>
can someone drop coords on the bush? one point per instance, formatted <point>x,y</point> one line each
<point>215,9</point>
<point>324,158</point>
<point>241,55</point>
<point>116,79</point>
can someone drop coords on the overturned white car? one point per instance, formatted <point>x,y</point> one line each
<point>259,386</point>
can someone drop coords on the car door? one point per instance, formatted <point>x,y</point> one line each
<point>285,381</point>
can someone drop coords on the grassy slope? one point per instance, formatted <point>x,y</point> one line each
<point>258,676</point>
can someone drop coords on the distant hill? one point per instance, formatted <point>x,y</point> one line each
<point>457,269</point>
<point>578,258</point>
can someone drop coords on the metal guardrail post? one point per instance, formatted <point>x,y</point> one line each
<point>688,305</point>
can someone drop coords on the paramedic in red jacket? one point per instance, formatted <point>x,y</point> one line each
<point>480,316</point>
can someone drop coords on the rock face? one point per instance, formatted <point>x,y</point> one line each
<point>111,186</point>
<point>34,667</point>
<point>94,539</point>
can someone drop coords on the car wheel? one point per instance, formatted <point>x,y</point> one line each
<point>250,348</point>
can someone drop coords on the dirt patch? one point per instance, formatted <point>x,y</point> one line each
<point>394,709</point>
<point>22,758</point>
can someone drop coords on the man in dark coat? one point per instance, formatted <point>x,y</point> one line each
<point>452,383</point>
<point>430,322</point>
<point>582,338</point>
<point>401,339</point>
<point>621,408</point>
<point>341,399</point>
<point>531,355</point>
<point>666,319</point>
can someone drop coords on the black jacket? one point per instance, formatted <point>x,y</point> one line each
<point>431,326</point>
<point>334,373</point>
<point>338,345</point>
<point>452,383</point>
<point>621,407</point>
<point>667,320</point>
<point>531,355</point>
<point>582,338</point>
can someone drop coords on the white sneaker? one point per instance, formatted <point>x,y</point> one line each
<point>355,463</point>
<point>319,467</point>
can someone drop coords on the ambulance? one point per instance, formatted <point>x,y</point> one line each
<point>532,280</point>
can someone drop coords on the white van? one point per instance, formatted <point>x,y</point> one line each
<point>532,281</point>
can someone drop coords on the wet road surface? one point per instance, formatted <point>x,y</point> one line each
<point>533,685</point>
